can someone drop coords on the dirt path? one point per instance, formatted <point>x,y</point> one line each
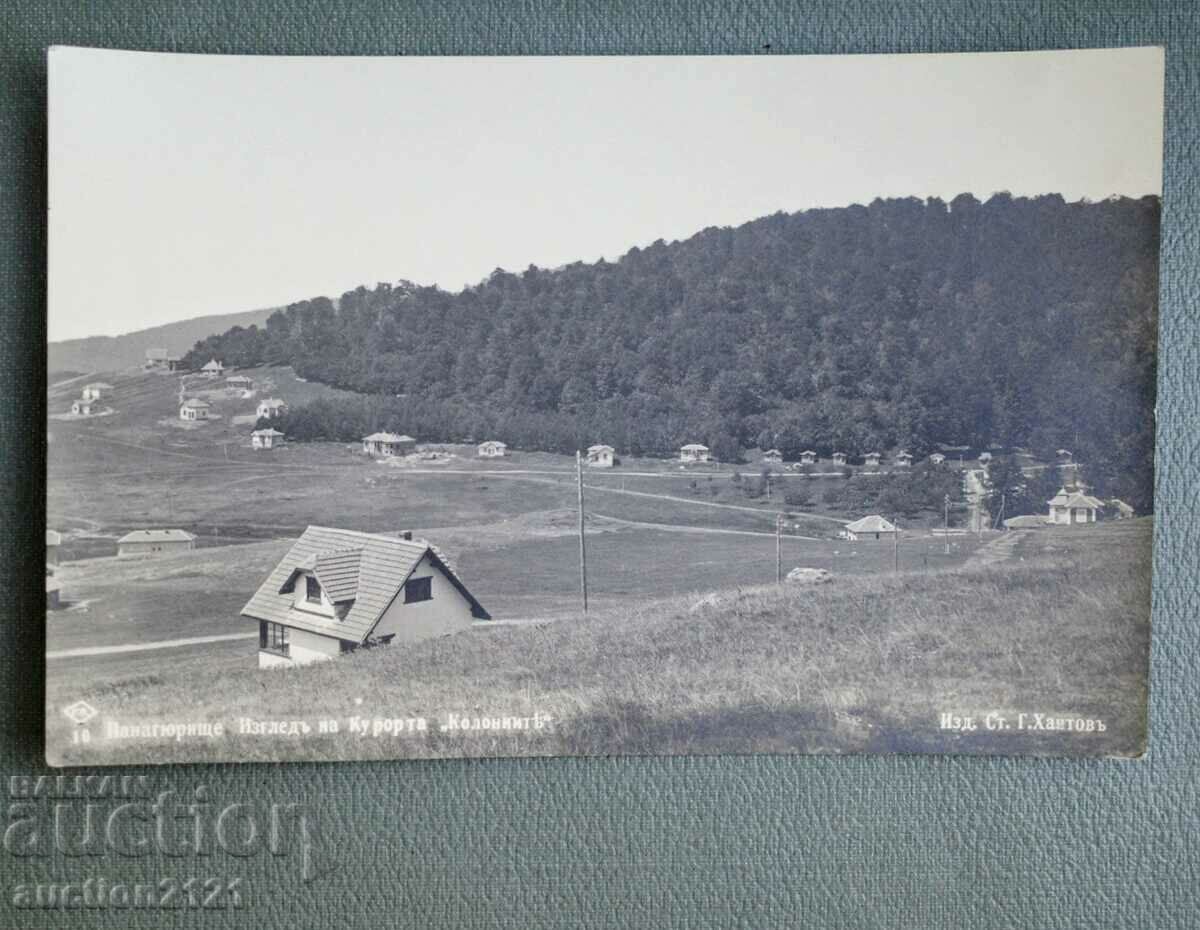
<point>146,647</point>
<point>997,550</point>
<point>675,528</point>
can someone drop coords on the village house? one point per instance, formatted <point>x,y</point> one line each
<point>388,444</point>
<point>601,456</point>
<point>92,391</point>
<point>1119,509</point>
<point>937,458</point>
<point>240,382</point>
<point>84,407</point>
<point>871,460</point>
<point>194,409</point>
<point>867,526</point>
<point>692,452</point>
<point>985,457</point>
<point>1064,456</point>
<point>772,457</point>
<point>808,457</point>
<point>141,543</point>
<point>270,408</point>
<point>266,439</point>
<point>212,369</point>
<point>1070,507</point>
<point>839,458</point>
<point>903,460</point>
<point>53,590</point>
<point>338,590</point>
<point>161,358</point>
<point>492,449</point>
<point>53,541</point>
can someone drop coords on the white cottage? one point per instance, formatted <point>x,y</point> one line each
<point>84,407</point>
<point>340,590</point>
<point>93,391</point>
<point>194,409</point>
<point>266,439</point>
<point>839,458</point>
<point>693,452</point>
<point>271,408</point>
<point>492,449</point>
<point>212,369</point>
<point>141,543</point>
<point>867,526</point>
<point>772,457</point>
<point>903,460</point>
<point>808,457</point>
<point>937,458</point>
<point>871,459</point>
<point>388,444</point>
<point>1070,507</point>
<point>600,456</point>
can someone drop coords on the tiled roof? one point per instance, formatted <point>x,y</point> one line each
<point>366,567</point>
<point>387,437</point>
<point>696,446</point>
<point>212,365</point>
<point>195,402</point>
<point>147,536</point>
<point>600,449</point>
<point>871,524</point>
<point>271,402</point>
<point>266,432</point>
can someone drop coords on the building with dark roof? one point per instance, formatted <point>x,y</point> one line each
<point>154,542</point>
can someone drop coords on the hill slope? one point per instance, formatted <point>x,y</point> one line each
<point>112,353</point>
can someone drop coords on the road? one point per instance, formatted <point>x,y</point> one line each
<point>146,647</point>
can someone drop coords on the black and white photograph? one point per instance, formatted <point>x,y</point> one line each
<point>408,408</point>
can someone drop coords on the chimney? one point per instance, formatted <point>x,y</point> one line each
<point>407,534</point>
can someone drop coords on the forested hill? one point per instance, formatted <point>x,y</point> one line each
<point>899,324</point>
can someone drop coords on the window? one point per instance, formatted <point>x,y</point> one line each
<point>312,590</point>
<point>418,589</point>
<point>273,637</point>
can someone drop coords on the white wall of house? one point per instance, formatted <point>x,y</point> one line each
<point>304,648</point>
<point>156,547</point>
<point>448,611</point>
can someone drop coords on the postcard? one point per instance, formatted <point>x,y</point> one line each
<point>477,407</point>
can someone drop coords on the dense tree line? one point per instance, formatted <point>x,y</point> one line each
<point>1016,321</point>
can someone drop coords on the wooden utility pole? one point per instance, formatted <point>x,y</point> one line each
<point>779,549</point>
<point>582,541</point>
<point>946,523</point>
<point>895,546</point>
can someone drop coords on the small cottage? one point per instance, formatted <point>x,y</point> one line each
<point>240,382</point>
<point>871,459</point>
<point>270,408</point>
<point>340,590</point>
<point>142,543</point>
<point>266,439</point>
<point>161,358</point>
<point>937,458</point>
<point>84,407</point>
<point>600,456</point>
<point>212,369</point>
<point>1063,455</point>
<point>839,458</point>
<point>1119,509</point>
<point>1070,507</point>
<point>92,391</point>
<point>772,457</point>
<point>985,457</point>
<point>388,444</point>
<point>808,457</point>
<point>872,525</point>
<point>903,460</point>
<point>53,541</point>
<point>492,449</point>
<point>692,452</point>
<point>194,409</point>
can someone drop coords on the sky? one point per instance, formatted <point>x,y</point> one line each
<point>185,185</point>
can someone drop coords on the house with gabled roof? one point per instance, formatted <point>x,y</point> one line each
<point>772,457</point>
<point>154,542</point>
<point>1068,508</point>
<point>84,407</point>
<point>240,382</point>
<point>871,460</point>
<point>601,456</point>
<point>194,409</point>
<point>867,525</point>
<point>839,458</point>
<point>270,408</point>
<point>693,452</point>
<point>266,439</point>
<point>492,449</point>
<point>212,369</point>
<point>337,591</point>
<point>92,391</point>
<point>161,358</point>
<point>937,458</point>
<point>903,460</point>
<point>388,444</point>
<point>808,457</point>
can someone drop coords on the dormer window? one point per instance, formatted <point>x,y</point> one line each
<point>312,590</point>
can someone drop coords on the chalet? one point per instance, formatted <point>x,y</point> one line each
<point>339,590</point>
<point>161,358</point>
<point>871,460</point>
<point>772,457</point>
<point>937,458</point>
<point>266,439</point>
<point>271,408</point>
<point>808,457</point>
<point>1070,507</point>
<point>154,542</point>
<point>600,456</point>
<point>1119,509</point>
<point>868,525</point>
<point>53,541</point>
<point>903,460</point>
<point>839,458</point>
<point>985,457</point>
<point>92,391</point>
<point>84,407</point>
<point>240,382</point>
<point>492,449</point>
<point>194,409</point>
<point>692,452</point>
<point>388,444</point>
<point>212,369</point>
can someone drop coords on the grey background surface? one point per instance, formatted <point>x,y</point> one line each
<point>697,842</point>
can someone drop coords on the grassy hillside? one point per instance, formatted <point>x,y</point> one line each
<point>113,353</point>
<point>868,663</point>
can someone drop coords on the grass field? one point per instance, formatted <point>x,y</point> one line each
<point>867,663</point>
